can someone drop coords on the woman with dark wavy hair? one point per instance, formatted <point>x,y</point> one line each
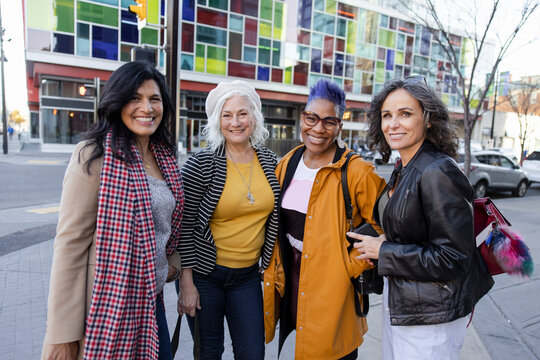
<point>118,228</point>
<point>433,273</point>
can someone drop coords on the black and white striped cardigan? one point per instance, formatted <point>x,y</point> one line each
<point>204,175</point>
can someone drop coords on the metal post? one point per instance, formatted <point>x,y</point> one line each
<point>4,110</point>
<point>172,70</point>
<point>97,93</point>
<point>494,106</point>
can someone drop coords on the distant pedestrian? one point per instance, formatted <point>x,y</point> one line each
<point>433,272</point>
<point>118,228</point>
<point>10,132</point>
<point>356,146</point>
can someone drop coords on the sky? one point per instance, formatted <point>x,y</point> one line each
<point>522,60</point>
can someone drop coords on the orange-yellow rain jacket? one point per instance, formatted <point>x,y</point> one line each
<point>327,326</point>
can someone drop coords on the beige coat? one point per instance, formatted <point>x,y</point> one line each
<point>74,259</point>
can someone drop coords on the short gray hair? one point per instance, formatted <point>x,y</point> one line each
<point>212,130</point>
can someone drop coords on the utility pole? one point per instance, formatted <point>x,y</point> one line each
<point>172,70</point>
<point>4,111</point>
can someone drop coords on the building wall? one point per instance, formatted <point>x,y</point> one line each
<point>281,46</point>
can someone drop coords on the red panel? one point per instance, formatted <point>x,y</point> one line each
<point>250,33</point>
<point>340,45</point>
<point>303,37</point>
<point>328,47</point>
<point>241,70</point>
<point>33,91</point>
<point>246,7</point>
<point>68,71</point>
<point>301,74</point>
<point>210,17</point>
<point>188,35</point>
<point>348,86</point>
<point>277,75</point>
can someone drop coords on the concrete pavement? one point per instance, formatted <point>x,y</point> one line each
<point>506,322</point>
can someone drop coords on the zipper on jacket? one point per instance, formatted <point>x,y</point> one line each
<point>404,203</point>
<point>444,286</point>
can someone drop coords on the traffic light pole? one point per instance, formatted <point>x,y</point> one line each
<point>172,71</point>
<point>4,110</point>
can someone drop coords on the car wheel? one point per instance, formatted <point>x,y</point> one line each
<point>521,189</point>
<point>480,190</point>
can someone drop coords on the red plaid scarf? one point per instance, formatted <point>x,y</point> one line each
<point>121,323</point>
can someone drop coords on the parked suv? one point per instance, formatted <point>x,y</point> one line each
<point>490,170</point>
<point>532,165</point>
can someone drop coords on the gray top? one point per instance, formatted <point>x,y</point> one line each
<point>163,204</point>
<point>382,204</point>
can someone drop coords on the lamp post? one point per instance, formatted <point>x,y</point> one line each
<point>494,106</point>
<point>4,112</point>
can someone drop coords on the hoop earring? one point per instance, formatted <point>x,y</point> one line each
<point>340,142</point>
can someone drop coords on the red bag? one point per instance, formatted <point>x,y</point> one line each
<point>503,250</point>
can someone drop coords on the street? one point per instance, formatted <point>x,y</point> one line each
<point>506,322</point>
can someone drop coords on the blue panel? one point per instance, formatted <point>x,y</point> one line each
<point>186,62</point>
<point>263,73</point>
<point>104,43</point>
<point>349,66</point>
<point>130,33</point>
<point>250,54</point>
<point>304,13</point>
<point>338,66</point>
<point>390,54</point>
<point>316,60</point>
<point>64,43</point>
<point>426,41</point>
<point>129,16</point>
<point>163,7</point>
<point>188,10</point>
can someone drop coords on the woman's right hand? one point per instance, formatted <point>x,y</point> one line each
<point>66,351</point>
<point>188,299</point>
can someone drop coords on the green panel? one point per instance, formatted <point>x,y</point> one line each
<point>264,51</point>
<point>401,42</point>
<point>276,53</point>
<point>39,14</point>
<point>278,20</point>
<point>361,25</point>
<point>379,72</point>
<point>387,38</point>
<point>366,50</point>
<point>149,36</point>
<point>341,29</point>
<point>64,15</point>
<point>331,6</point>
<point>216,60</point>
<point>219,4</point>
<point>97,14</point>
<point>302,53</point>
<point>152,11</point>
<point>351,37</point>
<point>399,57</point>
<point>288,75</point>
<point>199,58</point>
<point>372,24</point>
<point>265,29</point>
<point>266,9</point>
<point>186,62</point>
<point>338,81</point>
<point>324,23</point>
<point>319,5</point>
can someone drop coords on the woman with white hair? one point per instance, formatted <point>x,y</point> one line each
<point>229,223</point>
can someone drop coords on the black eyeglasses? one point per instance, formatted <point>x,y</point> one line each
<point>311,119</point>
<point>414,79</point>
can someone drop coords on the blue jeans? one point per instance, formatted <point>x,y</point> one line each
<point>237,295</point>
<point>165,351</point>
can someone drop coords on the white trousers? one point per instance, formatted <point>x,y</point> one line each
<point>421,342</point>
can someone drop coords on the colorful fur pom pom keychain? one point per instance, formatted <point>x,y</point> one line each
<point>509,251</point>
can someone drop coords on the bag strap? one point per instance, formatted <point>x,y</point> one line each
<point>361,311</point>
<point>176,336</point>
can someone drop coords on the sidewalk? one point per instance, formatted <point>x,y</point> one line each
<point>24,285</point>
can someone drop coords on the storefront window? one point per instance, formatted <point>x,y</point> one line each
<point>64,126</point>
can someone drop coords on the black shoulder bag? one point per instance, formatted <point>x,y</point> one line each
<point>369,282</point>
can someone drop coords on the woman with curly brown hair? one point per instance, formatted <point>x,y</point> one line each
<point>433,273</point>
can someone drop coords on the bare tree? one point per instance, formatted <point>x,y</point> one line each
<point>523,99</point>
<point>480,32</point>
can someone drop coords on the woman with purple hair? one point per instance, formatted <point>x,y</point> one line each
<point>307,285</point>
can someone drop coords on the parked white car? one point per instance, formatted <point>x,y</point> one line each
<point>392,160</point>
<point>532,165</point>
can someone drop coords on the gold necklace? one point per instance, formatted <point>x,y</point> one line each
<point>249,195</point>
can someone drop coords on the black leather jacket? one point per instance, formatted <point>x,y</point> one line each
<point>435,272</point>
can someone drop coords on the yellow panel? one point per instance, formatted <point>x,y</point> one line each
<point>39,14</point>
<point>152,11</point>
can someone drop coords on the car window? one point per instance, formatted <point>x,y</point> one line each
<point>534,156</point>
<point>494,160</point>
<point>482,159</point>
<point>506,163</point>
